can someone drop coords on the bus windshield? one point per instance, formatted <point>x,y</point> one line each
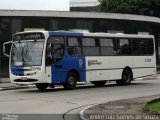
<point>27,53</point>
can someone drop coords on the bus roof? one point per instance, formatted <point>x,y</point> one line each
<point>80,34</point>
<point>69,33</point>
<point>118,35</point>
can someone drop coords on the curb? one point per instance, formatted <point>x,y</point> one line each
<point>12,88</point>
<point>82,111</point>
<point>15,88</point>
<point>151,78</point>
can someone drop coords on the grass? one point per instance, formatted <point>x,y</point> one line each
<point>153,106</point>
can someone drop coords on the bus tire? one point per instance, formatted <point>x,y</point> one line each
<point>99,83</point>
<point>127,77</point>
<point>42,86</point>
<point>70,82</point>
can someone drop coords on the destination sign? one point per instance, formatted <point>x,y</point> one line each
<point>28,36</point>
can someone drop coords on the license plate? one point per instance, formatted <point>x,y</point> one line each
<point>23,78</point>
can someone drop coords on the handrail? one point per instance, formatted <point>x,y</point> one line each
<point>4,48</point>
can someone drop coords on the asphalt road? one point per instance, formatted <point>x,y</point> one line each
<point>63,104</point>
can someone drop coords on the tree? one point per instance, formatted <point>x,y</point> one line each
<point>140,7</point>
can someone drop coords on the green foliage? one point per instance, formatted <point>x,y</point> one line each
<point>153,106</point>
<point>141,7</point>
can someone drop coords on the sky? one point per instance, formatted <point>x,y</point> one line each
<point>58,5</point>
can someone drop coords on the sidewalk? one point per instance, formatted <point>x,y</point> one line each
<point>4,80</point>
<point>6,85</point>
<point>153,77</point>
<point>126,109</point>
<point>9,86</point>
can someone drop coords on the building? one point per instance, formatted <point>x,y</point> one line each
<point>83,5</point>
<point>12,21</point>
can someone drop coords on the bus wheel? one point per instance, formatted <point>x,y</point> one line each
<point>127,77</point>
<point>99,83</point>
<point>70,82</point>
<point>42,86</point>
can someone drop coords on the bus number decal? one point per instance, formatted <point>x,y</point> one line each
<point>148,60</point>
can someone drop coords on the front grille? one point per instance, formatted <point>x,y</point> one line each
<point>28,80</point>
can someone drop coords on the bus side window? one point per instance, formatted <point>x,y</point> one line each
<point>54,50</point>
<point>74,46</point>
<point>136,47</point>
<point>147,47</point>
<point>125,46</point>
<point>107,46</point>
<point>90,46</point>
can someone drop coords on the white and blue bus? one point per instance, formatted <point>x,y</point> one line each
<point>47,58</point>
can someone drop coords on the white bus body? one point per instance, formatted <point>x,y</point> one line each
<point>83,57</point>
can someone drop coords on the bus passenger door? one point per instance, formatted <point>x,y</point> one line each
<point>54,53</point>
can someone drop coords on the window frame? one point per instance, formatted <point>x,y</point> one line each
<point>114,46</point>
<point>79,46</point>
<point>97,44</point>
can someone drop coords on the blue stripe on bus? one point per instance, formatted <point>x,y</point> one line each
<point>60,70</point>
<point>65,34</point>
<point>17,71</point>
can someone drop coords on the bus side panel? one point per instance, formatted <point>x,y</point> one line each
<point>97,68</point>
<point>101,68</point>
<point>60,69</point>
<point>144,66</point>
<point>58,76</point>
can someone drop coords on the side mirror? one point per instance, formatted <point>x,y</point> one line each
<point>7,48</point>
